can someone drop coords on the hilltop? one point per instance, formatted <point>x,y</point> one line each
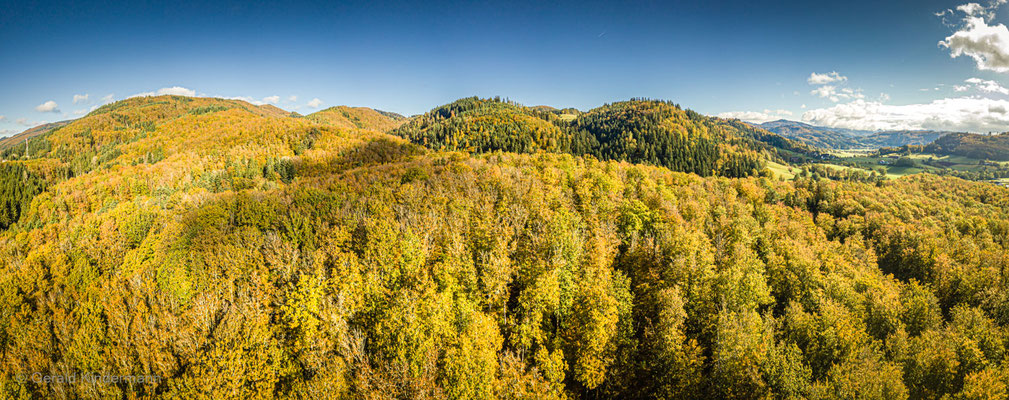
<point>484,250</point>
<point>637,131</point>
<point>358,118</point>
<point>984,147</point>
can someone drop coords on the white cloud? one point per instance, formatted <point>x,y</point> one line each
<point>972,9</point>
<point>987,86</point>
<point>108,98</point>
<point>973,114</point>
<point>173,91</point>
<point>826,91</point>
<point>314,103</point>
<point>977,10</point>
<point>757,117</point>
<point>80,112</point>
<point>836,94</point>
<point>884,97</point>
<point>49,106</point>
<point>271,99</point>
<point>78,98</point>
<point>177,91</point>
<point>292,98</point>
<point>830,77</point>
<point>987,44</point>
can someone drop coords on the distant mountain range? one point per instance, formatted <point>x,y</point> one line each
<point>847,139</point>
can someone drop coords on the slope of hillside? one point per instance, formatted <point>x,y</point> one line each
<point>821,137</point>
<point>20,138</point>
<point>640,131</point>
<point>220,250</point>
<point>484,125</point>
<point>358,118</point>
<point>900,138</point>
<point>983,147</point>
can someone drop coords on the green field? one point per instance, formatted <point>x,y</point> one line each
<point>780,170</point>
<point>895,166</point>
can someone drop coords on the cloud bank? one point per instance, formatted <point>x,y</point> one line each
<point>973,114</point>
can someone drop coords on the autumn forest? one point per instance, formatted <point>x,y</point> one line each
<point>486,250</point>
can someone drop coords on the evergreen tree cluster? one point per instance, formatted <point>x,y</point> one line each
<point>638,131</point>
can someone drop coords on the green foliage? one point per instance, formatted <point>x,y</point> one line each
<point>18,187</point>
<point>638,131</point>
<point>207,109</point>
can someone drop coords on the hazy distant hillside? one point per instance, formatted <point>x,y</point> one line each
<point>900,138</point>
<point>822,137</point>
<point>842,139</point>
<point>640,131</point>
<point>17,139</point>
<point>359,118</point>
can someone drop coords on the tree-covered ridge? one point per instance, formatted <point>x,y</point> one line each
<point>345,117</point>
<point>662,133</point>
<point>984,147</point>
<point>484,125</point>
<point>640,131</point>
<point>271,257</point>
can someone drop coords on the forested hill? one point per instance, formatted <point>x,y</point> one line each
<point>358,118</point>
<point>818,136</point>
<point>19,139</point>
<point>982,147</point>
<point>231,251</point>
<point>639,131</point>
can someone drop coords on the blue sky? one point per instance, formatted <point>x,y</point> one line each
<point>858,64</point>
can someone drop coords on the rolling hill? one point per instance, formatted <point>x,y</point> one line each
<point>982,147</point>
<point>358,118</point>
<point>639,131</point>
<point>209,248</point>
<point>818,136</point>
